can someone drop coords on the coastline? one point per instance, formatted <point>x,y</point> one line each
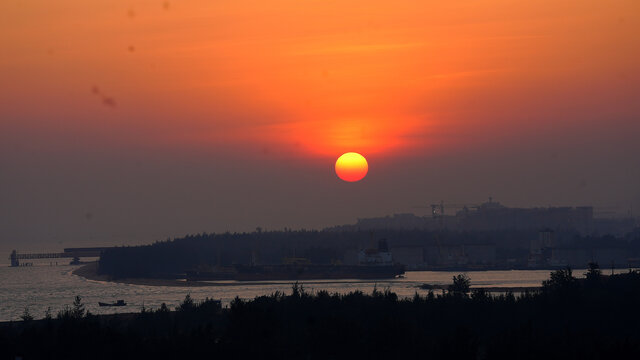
<point>88,271</point>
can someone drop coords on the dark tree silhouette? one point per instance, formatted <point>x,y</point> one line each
<point>26,314</point>
<point>461,285</point>
<point>594,273</point>
<point>597,321</point>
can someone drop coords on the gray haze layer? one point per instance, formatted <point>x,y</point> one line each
<point>65,195</point>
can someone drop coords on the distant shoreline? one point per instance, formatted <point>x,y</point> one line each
<point>89,272</point>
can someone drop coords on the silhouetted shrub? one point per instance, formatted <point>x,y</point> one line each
<point>461,285</point>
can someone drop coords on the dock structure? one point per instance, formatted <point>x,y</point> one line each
<point>72,253</point>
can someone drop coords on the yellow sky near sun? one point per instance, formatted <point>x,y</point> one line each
<point>324,76</point>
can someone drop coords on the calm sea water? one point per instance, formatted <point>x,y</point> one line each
<point>42,286</point>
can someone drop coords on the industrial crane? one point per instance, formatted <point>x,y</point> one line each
<point>438,210</point>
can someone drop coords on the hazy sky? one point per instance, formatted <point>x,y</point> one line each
<point>125,122</point>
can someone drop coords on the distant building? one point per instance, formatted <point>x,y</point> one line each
<point>495,216</point>
<point>492,216</point>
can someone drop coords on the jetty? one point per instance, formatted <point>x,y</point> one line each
<point>72,253</point>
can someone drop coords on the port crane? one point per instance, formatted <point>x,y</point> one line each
<point>438,210</point>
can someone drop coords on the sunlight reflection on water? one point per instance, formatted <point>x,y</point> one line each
<point>42,286</point>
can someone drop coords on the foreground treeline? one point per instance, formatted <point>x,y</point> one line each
<point>206,251</point>
<point>596,318</point>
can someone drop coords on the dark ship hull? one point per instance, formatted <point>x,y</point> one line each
<point>117,303</point>
<point>317,272</point>
<point>210,275</point>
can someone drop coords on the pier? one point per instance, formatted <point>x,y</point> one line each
<point>73,253</point>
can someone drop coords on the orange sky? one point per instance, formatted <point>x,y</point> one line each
<point>130,121</point>
<point>377,77</point>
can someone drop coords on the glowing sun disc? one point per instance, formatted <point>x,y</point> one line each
<point>351,167</point>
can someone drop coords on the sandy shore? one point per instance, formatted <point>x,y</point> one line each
<point>89,272</point>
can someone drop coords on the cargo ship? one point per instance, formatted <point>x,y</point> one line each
<point>372,264</point>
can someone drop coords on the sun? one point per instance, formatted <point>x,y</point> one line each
<point>351,167</point>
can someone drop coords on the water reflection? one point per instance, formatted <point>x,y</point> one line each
<point>39,287</point>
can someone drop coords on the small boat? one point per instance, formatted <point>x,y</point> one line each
<point>117,303</point>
